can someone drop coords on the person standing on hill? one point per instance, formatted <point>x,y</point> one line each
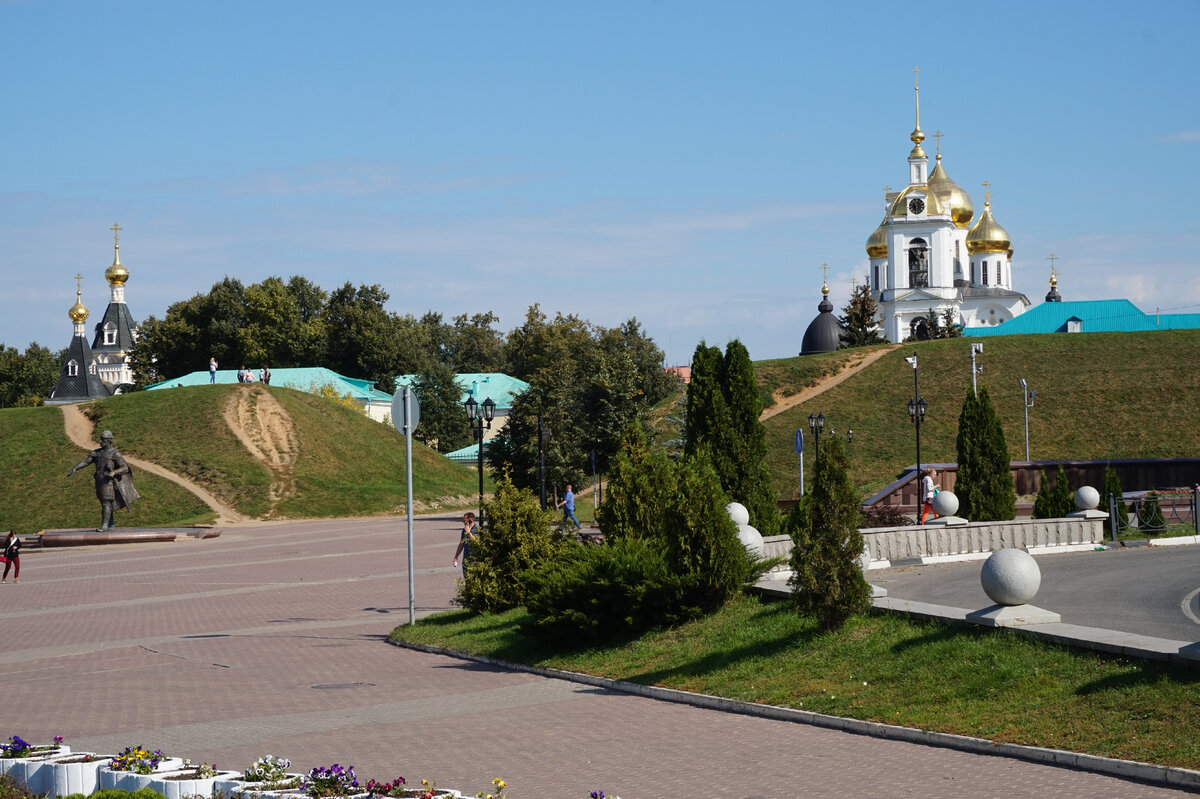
<point>12,557</point>
<point>212,370</point>
<point>568,506</point>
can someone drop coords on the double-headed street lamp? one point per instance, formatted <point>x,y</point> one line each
<point>816,423</point>
<point>477,421</point>
<point>1029,395</point>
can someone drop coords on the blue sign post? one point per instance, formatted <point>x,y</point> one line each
<point>800,454</point>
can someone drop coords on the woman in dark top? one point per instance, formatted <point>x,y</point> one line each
<point>12,557</point>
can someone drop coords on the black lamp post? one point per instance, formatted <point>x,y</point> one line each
<point>477,421</point>
<point>916,415</point>
<point>816,423</point>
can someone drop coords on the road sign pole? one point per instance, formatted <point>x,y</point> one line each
<point>408,502</point>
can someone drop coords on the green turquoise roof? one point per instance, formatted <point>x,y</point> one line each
<point>1093,316</point>
<point>301,379</point>
<point>497,385</point>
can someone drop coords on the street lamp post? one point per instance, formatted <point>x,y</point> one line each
<point>816,423</point>
<point>477,421</point>
<point>916,413</point>
<point>1028,403</point>
<point>976,349</point>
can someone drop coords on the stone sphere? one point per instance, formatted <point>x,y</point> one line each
<point>737,511</point>
<point>1086,498</point>
<point>945,503</point>
<point>1010,577</point>
<point>751,539</point>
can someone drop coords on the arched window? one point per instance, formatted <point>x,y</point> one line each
<point>110,335</point>
<point>918,264</point>
<point>919,329</point>
<point>72,368</point>
<point>983,269</point>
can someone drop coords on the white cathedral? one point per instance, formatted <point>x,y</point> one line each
<point>926,254</point>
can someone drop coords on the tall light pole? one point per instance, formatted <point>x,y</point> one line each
<point>816,423</point>
<point>477,420</point>
<point>1028,396</point>
<point>975,368</point>
<point>916,413</point>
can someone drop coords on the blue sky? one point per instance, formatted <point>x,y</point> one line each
<point>689,163</point>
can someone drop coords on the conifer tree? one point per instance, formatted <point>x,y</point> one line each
<point>1112,488</point>
<point>723,406</point>
<point>828,582</point>
<point>1054,501</point>
<point>859,325</point>
<point>984,486</point>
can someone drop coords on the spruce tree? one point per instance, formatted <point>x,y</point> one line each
<point>984,486</point>
<point>859,325</point>
<point>1112,488</point>
<point>1054,500</point>
<point>723,406</point>
<point>827,581</point>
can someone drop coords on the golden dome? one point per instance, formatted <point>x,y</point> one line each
<point>877,246</point>
<point>116,275</point>
<point>961,207</point>
<point>79,311</point>
<point>987,235</point>
<point>933,204</point>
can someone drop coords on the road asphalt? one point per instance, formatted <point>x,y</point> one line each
<point>270,640</point>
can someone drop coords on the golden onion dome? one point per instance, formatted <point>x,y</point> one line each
<point>987,235</point>
<point>116,275</point>
<point>933,204</point>
<point>877,246</point>
<point>961,207</point>
<point>79,311</point>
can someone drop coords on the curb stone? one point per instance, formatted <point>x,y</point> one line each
<point>1126,769</point>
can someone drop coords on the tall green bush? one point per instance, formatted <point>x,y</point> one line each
<point>701,539</point>
<point>1054,499</point>
<point>828,582</point>
<point>984,485</point>
<point>640,485</point>
<point>723,406</point>
<point>1112,488</point>
<point>518,537</point>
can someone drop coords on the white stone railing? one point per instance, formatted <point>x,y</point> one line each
<point>883,546</point>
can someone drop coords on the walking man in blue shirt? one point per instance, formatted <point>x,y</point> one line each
<point>568,506</point>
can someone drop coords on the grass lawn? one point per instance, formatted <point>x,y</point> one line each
<point>1099,395</point>
<point>36,458</point>
<point>973,681</point>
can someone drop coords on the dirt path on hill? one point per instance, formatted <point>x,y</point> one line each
<point>266,430</point>
<point>81,431</point>
<point>852,367</point>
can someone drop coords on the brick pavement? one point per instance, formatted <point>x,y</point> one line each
<point>269,639</point>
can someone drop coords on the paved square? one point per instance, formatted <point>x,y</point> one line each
<point>269,639</point>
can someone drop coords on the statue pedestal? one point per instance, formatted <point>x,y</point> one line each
<point>1013,616</point>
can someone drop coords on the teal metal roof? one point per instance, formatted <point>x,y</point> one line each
<point>467,454</point>
<point>1087,316</point>
<point>301,379</point>
<point>497,385</point>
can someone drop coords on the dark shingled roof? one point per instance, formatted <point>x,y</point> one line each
<point>82,386</point>
<point>117,315</point>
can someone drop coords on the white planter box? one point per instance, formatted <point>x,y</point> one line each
<point>132,781</point>
<point>236,784</point>
<point>171,785</point>
<point>68,774</point>
<point>30,770</point>
<point>7,763</point>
